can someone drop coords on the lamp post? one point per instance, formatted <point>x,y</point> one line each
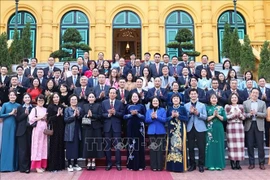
<point>235,13</point>
<point>16,13</point>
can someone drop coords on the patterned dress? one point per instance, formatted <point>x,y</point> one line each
<point>176,159</point>
<point>215,150</point>
<point>235,132</point>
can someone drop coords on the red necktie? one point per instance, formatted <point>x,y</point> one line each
<point>83,91</point>
<point>122,94</point>
<point>112,105</point>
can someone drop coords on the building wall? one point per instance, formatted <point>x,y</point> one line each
<point>205,14</point>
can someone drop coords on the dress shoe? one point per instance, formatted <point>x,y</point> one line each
<point>192,168</point>
<point>109,167</point>
<point>252,166</point>
<point>118,167</point>
<point>262,167</point>
<point>237,165</point>
<point>233,165</point>
<point>201,169</point>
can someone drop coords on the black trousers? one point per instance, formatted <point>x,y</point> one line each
<point>267,134</point>
<point>24,147</point>
<point>253,136</point>
<point>157,151</point>
<point>196,137</point>
<point>115,139</point>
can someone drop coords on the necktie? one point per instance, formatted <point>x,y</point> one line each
<point>122,70</point>
<point>20,79</point>
<point>94,82</point>
<point>74,80</point>
<point>102,88</point>
<point>137,71</point>
<point>56,82</point>
<point>157,67</point>
<point>166,80</point>
<point>174,69</point>
<point>122,94</point>
<point>83,91</point>
<point>185,79</point>
<point>111,105</point>
<point>158,92</point>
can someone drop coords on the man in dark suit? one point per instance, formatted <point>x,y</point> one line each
<point>48,71</point>
<point>140,90</point>
<point>83,91</point>
<point>31,72</point>
<point>131,63</point>
<point>42,79</point>
<point>204,64</point>
<point>93,81</point>
<point>82,67</point>
<point>122,93</point>
<point>57,78</point>
<point>175,69</point>
<point>161,93</point>
<point>74,80</point>
<point>192,68</point>
<point>86,58</point>
<point>101,91</point>
<point>146,62</point>
<point>233,85</point>
<point>156,68</point>
<point>4,84</point>
<point>112,112</point>
<point>222,100</point>
<point>193,85</point>
<point>183,80</point>
<point>255,110</point>
<point>14,86</point>
<point>247,91</point>
<point>265,96</point>
<point>137,69</point>
<point>184,62</point>
<point>212,73</point>
<point>166,60</point>
<point>23,81</point>
<point>123,69</point>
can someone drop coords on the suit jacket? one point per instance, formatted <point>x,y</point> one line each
<point>25,82</point>
<point>198,70</point>
<point>113,122</point>
<point>197,121</point>
<point>82,100</point>
<point>46,71</point>
<point>222,100</point>
<point>27,72</point>
<point>171,79</point>
<point>163,98</point>
<point>240,95</point>
<point>5,89</point>
<point>126,95</point>
<point>153,70</point>
<point>209,74</point>
<point>91,82</point>
<point>69,81</point>
<point>96,115</point>
<point>267,100</point>
<point>181,81</point>
<point>19,91</point>
<point>201,95</point>
<point>156,126</point>
<point>260,116</point>
<point>183,64</point>
<point>21,119</point>
<point>43,83</point>
<point>125,71</point>
<point>178,70</point>
<point>97,92</point>
<point>134,71</point>
<point>246,94</point>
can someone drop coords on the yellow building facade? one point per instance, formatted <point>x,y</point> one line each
<point>138,26</point>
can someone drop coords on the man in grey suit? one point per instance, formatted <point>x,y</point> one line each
<point>166,80</point>
<point>196,129</point>
<point>255,110</point>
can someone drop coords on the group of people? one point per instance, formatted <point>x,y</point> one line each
<point>83,111</point>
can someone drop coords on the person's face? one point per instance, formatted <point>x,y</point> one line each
<point>166,59</point>
<point>57,74</point>
<point>12,97</point>
<point>227,65</point>
<point>33,62</point>
<point>174,60</point>
<point>221,77</point>
<point>74,70</point>
<point>112,94</point>
<point>134,98</point>
<point>175,87</point>
<point>40,102</point>
<point>106,64</point>
<point>51,61</point>
<point>215,84</point>
<point>212,66</point>
<point>79,61</point>
<point>92,65</point>
<point>83,81</point>
<point>233,85</point>
<point>191,64</point>
<point>66,66</point>
<point>132,57</point>
<point>157,82</point>
<point>122,83</point>
<point>176,100</point>
<point>165,71</point>
<point>14,81</point>
<point>4,70</point>
<point>95,72</point>
<point>24,63</point>
<point>262,82</point>
<point>63,89</point>
<point>50,84</point>
<point>155,102</point>
<point>35,83</point>
<point>101,79</point>
<point>100,56</point>
<point>193,82</point>
<point>146,57</point>
<point>204,60</point>
<point>193,95</point>
<point>145,72</point>
<point>254,94</point>
<point>137,62</point>
<point>20,71</point>
<point>121,62</point>
<point>213,100</point>
<point>56,99</point>
<point>185,71</point>
<point>234,99</point>
<point>73,101</point>
<point>139,83</point>
<point>26,99</point>
<point>248,75</point>
<point>232,74</point>
<point>40,73</point>
<point>129,77</point>
<point>91,98</point>
<point>249,84</point>
<point>157,58</point>
<point>185,57</point>
<point>86,55</point>
<point>203,73</point>
<point>116,57</point>
<point>114,73</point>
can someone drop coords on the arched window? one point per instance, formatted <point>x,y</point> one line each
<point>23,18</point>
<point>78,20</point>
<point>228,17</point>
<point>175,21</point>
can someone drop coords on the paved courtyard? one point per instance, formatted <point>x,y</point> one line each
<point>101,174</point>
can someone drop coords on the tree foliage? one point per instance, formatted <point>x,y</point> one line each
<point>235,48</point>
<point>4,54</point>
<point>26,41</point>
<point>183,43</point>
<point>15,50</point>
<point>71,43</point>
<point>247,57</point>
<point>264,66</point>
<point>226,41</point>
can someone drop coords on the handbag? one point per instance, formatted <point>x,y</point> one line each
<point>35,123</point>
<point>86,120</point>
<point>48,131</point>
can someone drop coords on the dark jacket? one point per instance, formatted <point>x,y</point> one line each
<point>21,119</point>
<point>96,115</point>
